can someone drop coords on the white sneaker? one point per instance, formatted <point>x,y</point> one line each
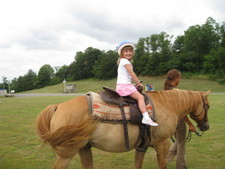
<point>149,122</point>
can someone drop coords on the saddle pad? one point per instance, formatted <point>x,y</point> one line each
<point>107,111</point>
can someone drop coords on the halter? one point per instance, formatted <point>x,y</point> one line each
<point>204,109</point>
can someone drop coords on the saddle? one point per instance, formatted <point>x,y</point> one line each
<point>112,97</point>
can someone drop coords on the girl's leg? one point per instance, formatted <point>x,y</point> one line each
<point>141,104</point>
<point>140,98</point>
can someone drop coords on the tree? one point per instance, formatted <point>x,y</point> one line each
<point>215,62</point>
<point>152,54</point>
<point>198,41</point>
<point>222,35</point>
<point>178,45</point>
<point>19,84</point>
<point>160,53</point>
<point>106,67</point>
<point>141,56</point>
<point>61,74</point>
<point>4,82</point>
<point>45,75</point>
<point>82,67</point>
<point>30,80</point>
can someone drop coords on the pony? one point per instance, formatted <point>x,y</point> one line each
<point>70,129</point>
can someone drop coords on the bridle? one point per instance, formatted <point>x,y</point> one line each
<point>204,109</point>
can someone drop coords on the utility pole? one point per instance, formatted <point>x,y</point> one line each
<point>9,86</point>
<point>64,82</point>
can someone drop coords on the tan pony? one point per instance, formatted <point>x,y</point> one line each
<point>69,128</point>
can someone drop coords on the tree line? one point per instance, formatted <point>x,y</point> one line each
<point>201,50</point>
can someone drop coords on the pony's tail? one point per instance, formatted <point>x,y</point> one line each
<point>65,136</point>
<point>43,122</point>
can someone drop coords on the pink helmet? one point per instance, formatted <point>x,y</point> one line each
<point>124,44</point>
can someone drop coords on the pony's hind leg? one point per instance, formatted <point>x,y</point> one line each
<point>139,157</point>
<point>63,159</point>
<point>62,162</point>
<point>86,158</point>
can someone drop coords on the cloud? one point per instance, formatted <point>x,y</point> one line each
<point>40,41</point>
<point>34,33</point>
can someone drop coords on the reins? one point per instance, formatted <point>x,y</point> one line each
<point>204,109</point>
<point>188,139</point>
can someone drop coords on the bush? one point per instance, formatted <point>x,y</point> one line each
<point>221,81</point>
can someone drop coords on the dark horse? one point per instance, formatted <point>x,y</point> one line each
<point>69,128</point>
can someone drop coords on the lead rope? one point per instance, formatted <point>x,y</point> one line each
<point>188,139</point>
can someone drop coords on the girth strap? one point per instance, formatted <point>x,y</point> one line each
<point>127,144</point>
<point>143,138</point>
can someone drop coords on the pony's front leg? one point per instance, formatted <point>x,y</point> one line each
<point>139,157</point>
<point>86,158</point>
<point>162,149</point>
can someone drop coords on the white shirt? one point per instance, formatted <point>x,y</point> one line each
<point>123,77</point>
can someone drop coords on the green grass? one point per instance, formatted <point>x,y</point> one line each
<point>19,146</point>
<point>21,149</point>
<point>84,86</point>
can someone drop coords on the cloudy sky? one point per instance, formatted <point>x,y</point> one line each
<point>38,32</point>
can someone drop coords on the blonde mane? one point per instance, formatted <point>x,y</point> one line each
<point>170,98</point>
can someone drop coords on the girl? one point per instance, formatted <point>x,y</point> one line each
<point>125,75</point>
<point>172,79</point>
<point>178,148</point>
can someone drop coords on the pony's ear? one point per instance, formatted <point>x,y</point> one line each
<point>206,93</point>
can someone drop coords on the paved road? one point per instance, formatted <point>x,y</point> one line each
<point>48,94</point>
<point>217,93</point>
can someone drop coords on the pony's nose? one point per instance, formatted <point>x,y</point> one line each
<point>204,127</point>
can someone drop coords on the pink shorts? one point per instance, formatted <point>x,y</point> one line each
<point>125,89</point>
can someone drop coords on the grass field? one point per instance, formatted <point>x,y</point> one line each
<point>21,149</point>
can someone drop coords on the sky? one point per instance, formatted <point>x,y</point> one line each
<point>38,32</point>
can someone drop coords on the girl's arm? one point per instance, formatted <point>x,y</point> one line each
<point>132,74</point>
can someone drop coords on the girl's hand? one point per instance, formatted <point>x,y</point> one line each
<point>139,87</point>
<point>139,84</point>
